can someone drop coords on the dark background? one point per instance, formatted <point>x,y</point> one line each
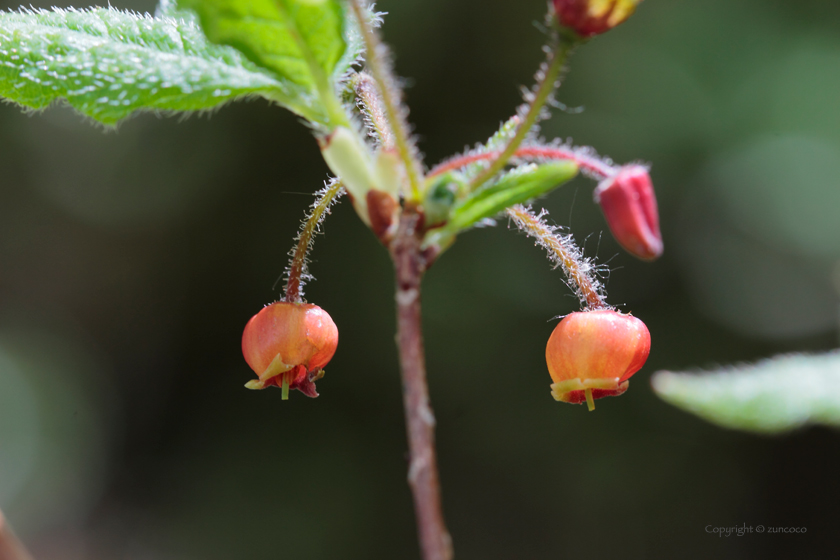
<point>131,260</point>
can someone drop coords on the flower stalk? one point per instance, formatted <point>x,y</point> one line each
<point>562,250</point>
<point>588,163</point>
<point>372,108</point>
<point>298,272</point>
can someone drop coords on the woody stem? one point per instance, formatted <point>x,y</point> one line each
<point>410,264</point>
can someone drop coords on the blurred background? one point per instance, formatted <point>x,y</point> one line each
<point>130,261</point>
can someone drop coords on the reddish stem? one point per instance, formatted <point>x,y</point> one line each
<point>595,166</point>
<point>410,264</point>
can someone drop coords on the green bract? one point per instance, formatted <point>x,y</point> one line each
<point>514,187</point>
<point>517,186</point>
<point>108,64</point>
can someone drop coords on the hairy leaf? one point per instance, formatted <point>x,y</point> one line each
<point>308,44</point>
<point>775,395</point>
<point>108,64</point>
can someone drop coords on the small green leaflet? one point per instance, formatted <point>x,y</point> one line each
<point>515,187</point>
<point>108,64</point>
<point>774,395</point>
<point>307,44</point>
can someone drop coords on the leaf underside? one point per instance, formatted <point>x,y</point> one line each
<point>771,396</point>
<point>108,64</point>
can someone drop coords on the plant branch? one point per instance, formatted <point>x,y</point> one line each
<point>409,263</point>
<point>547,82</point>
<point>596,167</point>
<point>390,96</point>
<point>10,547</point>
<point>563,251</point>
<point>298,273</point>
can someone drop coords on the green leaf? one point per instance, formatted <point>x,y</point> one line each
<point>108,64</point>
<point>307,44</point>
<point>771,396</point>
<point>515,187</point>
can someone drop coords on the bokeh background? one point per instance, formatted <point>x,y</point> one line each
<point>131,260</point>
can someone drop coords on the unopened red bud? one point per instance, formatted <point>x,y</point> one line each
<point>592,354</point>
<point>629,204</point>
<point>287,345</point>
<point>592,17</point>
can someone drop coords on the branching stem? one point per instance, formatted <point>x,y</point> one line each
<point>390,100</point>
<point>544,90</point>
<point>297,272</point>
<point>563,251</point>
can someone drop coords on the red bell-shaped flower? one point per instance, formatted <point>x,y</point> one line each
<point>287,345</point>
<point>592,354</point>
<point>592,17</point>
<point>629,204</point>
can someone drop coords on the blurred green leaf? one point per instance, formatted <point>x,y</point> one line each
<point>307,44</point>
<point>108,64</point>
<point>771,396</point>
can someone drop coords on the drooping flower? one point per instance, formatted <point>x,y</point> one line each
<point>592,354</point>
<point>287,345</point>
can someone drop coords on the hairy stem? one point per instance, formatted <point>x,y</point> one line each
<point>373,110</point>
<point>297,272</point>
<point>596,167</point>
<point>409,263</point>
<point>10,547</point>
<point>546,85</point>
<point>562,251</point>
<point>390,100</point>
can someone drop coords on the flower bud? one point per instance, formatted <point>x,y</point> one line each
<point>592,354</point>
<point>629,204</point>
<point>287,344</point>
<point>593,17</point>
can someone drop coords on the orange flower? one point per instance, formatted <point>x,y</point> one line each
<point>287,345</point>
<point>592,354</point>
